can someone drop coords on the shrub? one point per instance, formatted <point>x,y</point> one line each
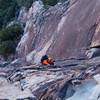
<point>10,33</point>
<point>8,39</point>
<point>50,2</point>
<point>8,9</point>
<point>25,3</point>
<point>7,48</point>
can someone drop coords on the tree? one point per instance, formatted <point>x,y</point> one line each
<point>8,9</point>
<point>50,2</point>
<point>25,3</point>
<point>9,38</point>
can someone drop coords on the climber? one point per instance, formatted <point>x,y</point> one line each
<point>46,60</point>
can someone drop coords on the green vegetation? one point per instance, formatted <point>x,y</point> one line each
<point>8,11</point>
<point>26,3</point>
<point>7,48</point>
<point>9,38</point>
<point>10,33</point>
<point>50,2</point>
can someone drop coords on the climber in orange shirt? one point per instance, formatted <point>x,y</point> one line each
<point>45,60</point>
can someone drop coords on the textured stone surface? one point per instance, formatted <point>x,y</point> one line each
<point>64,81</point>
<point>96,38</point>
<point>74,27</point>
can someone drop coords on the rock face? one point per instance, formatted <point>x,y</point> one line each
<point>65,30</point>
<point>96,37</point>
<point>77,30</point>
<point>68,29</point>
<point>25,45</point>
<point>68,80</point>
<point>23,15</point>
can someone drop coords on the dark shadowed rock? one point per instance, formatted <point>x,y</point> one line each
<point>96,38</point>
<point>28,98</point>
<point>67,90</point>
<point>93,52</point>
<point>54,90</point>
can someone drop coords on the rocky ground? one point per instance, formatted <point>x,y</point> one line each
<point>70,29</point>
<point>67,80</point>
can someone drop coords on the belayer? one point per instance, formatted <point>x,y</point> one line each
<point>46,60</point>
